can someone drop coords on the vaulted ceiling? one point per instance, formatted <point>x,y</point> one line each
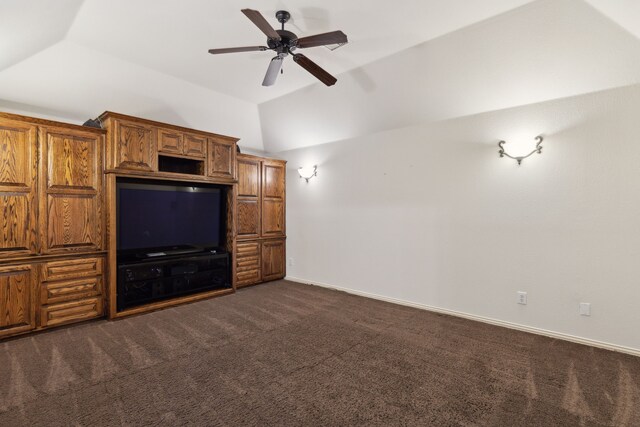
<point>407,61</point>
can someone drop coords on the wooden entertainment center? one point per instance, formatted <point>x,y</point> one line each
<point>58,227</point>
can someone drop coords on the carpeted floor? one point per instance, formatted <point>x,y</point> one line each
<point>289,354</point>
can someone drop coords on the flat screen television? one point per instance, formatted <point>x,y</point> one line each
<point>165,216</point>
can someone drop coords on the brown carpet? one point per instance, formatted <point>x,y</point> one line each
<point>290,354</point>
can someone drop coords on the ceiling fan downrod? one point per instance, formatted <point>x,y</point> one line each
<point>283,16</point>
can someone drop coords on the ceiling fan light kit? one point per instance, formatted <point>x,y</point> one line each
<point>285,43</point>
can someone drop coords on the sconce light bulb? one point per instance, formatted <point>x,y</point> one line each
<point>307,172</point>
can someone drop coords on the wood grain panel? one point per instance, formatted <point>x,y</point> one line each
<point>72,269</point>
<point>272,218</point>
<point>248,218</point>
<point>17,313</point>
<point>222,159</point>
<point>69,312</point>
<point>17,155</point>
<point>73,161</point>
<point>69,290</point>
<point>248,264</point>
<point>195,146</point>
<point>18,186</point>
<point>71,191</point>
<point>16,233</point>
<point>273,260</point>
<point>170,141</point>
<point>248,177</point>
<point>135,146</point>
<point>273,180</point>
<point>71,222</point>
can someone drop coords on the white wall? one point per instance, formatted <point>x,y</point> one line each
<point>73,83</point>
<point>431,215</point>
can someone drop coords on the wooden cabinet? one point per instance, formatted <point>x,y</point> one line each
<point>71,291</point>
<point>260,221</point>
<point>18,188</point>
<point>17,305</point>
<point>51,205</point>
<point>248,263</point>
<point>70,312</point>
<point>273,255</point>
<point>170,141</point>
<point>273,198</point>
<point>132,145</point>
<point>248,205</point>
<point>71,190</point>
<point>195,146</point>
<point>222,158</point>
<point>144,147</point>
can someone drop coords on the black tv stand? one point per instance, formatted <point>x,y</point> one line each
<point>144,281</point>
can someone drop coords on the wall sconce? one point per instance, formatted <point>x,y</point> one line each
<point>519,159</point>
<point>308,172</point>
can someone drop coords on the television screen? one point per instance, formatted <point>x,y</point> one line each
<point>164,216</point>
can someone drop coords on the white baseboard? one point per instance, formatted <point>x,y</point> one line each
<point>505,324</point>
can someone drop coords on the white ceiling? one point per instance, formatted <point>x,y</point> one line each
<point>545,50</point>
<point>405,61</point>
<point>173,36</point>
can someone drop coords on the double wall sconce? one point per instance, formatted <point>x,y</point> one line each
<point>308,172</point>
<point>519,159</point>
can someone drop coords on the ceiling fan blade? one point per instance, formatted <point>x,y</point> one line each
<point>257,18</point>
<point>237,49</point>
<point>334,37</point>
<point>314,69</point>
<point>272,72</point>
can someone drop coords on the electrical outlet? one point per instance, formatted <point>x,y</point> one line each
<point>291,262</point>
<point>522,298</point>
<point>585,309</point>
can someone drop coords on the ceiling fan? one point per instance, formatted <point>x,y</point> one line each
<point>284,43</point>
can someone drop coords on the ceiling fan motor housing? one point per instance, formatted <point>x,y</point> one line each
<point>287,42</point>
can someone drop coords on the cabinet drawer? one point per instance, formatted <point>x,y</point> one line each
<point>70,290</point>
<point>248,277</point>
<point>248,249</point>
<point>68,312</point>
<point>71,269</point>
<point>248,263</point>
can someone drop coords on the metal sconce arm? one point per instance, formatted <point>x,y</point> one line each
<point>519,159</point>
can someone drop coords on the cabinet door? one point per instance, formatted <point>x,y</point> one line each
<point>248,177</point>
<point>248,218</point>
<point>248,206</point>
<point>273,198</point>
<point>170,141</point>
<point>71,205</point>
<point>17,305</point>
<point>134,146</point>
<point>273,259</point>
<point>195,146</point>
<point>18,185</point>
<point>248,264</point>
<point>222,158</point>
